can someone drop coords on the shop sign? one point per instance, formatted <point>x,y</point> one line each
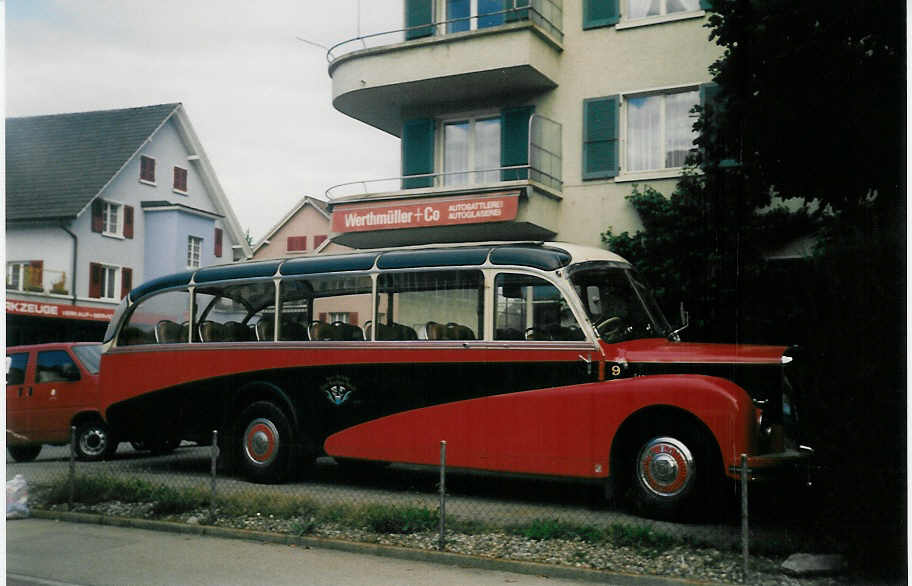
<point>37,309</point>
<point>422,213</point>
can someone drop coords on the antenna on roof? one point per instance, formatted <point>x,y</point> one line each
<point>312,43</point>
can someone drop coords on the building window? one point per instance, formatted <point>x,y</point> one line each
<point>296,244</point>
<point>474,14</point>
<point>180,179</point>
<point>110,215</point>
<point>660,130</point>
<point>16,274</point>
<point>109,282</point>
<point>637,9</point>
<point>194,248</point>
<point>471,144</point>
<point>147,169</point>
<point>318,240</point>
<point>340,316</point>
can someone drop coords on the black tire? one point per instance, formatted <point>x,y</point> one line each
<point>265,443</point>
<point>24,453</point>
<point>94,441</point>
<point>673,473</point>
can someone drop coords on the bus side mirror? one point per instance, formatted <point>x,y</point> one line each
<point>685,321</point>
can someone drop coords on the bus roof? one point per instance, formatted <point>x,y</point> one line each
<point>547,256</point>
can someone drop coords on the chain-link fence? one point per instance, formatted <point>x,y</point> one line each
<point>359,500</point>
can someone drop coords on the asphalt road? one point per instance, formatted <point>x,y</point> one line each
<point>41,552</point>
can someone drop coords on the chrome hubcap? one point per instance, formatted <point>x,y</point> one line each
<point>665,467</point>
<point>93,442</point>
<point>261,441</point>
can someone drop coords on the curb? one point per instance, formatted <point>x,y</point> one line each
<point>403,553</point>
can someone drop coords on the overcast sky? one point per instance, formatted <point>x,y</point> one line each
<point>259,98</point>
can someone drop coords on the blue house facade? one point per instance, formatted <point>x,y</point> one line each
<point>97,203</point>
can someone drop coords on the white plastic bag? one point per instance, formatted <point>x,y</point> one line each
<point>17,498</point>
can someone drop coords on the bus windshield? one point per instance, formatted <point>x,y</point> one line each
<point>618,303</point>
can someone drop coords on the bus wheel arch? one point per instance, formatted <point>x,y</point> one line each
<point>666,463</point>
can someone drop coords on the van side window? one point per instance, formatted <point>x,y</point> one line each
<point>233,313</point>
<point>159,319</point>
<point>55,366</point>
<point>16,373</point>
<point>530,308</point>
<point>433,305</point>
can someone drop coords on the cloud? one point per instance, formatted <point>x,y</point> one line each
<point>259,99</point>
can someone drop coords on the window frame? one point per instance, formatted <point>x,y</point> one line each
<point>626,22</point>
<point>106,207</point>
<point>154,163</point>
<point>116,285</point>
<point>186,179</point>
<point>471,173</point>
<point>22,273</point>
<point>473,16</point>
<point>198,240</point>
<point>624,172</point>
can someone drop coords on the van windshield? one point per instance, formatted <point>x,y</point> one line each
<point>618,303</point>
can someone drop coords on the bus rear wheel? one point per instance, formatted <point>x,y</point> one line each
<point>265,441</point>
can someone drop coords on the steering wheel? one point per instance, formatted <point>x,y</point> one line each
<point>611,328</point>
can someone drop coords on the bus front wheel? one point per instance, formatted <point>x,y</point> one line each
<point>265,441</point>
<point>673,474</point>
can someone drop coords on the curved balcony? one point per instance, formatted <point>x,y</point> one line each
<point>377,77</point>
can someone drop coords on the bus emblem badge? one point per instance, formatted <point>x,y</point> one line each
<point>338,390</point>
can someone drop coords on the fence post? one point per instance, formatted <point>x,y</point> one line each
<point>72,467</point>
<point>745,533</point>
<point>213,455</point>
<point>442,543</point>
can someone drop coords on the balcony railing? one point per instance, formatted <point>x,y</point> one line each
<point>546,14</point>
<point>544,167</point>
<point>28,279</point>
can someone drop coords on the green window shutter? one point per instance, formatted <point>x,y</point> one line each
<point>418,12</point>
<point>600,137</point>
<point>597,13</point>
<point>514,141</point>
<point>516,15</point>
<point>418,152</point>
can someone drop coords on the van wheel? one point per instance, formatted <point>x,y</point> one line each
<point>265,440</point>
<point>94,441</point>
<point>24,453</point>
<point>673,474</point>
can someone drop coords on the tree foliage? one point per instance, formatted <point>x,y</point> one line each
<point>810,108</point>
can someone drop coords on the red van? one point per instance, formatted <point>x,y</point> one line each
<point>49,388</point>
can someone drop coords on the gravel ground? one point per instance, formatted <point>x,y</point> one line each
<point>704,564</point>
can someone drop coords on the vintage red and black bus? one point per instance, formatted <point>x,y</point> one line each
<point>532,358</point>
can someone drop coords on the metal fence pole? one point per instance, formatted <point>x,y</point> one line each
<point>745,533</point>
<point>442,543</point>
<point>72,467</point>
<point>213,455</point>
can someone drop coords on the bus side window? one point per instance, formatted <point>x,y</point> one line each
<point>233,313</point>
<point>332,308</point>
<point>529,308</point>
<point>160,319</point>
<point>432,305</point>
